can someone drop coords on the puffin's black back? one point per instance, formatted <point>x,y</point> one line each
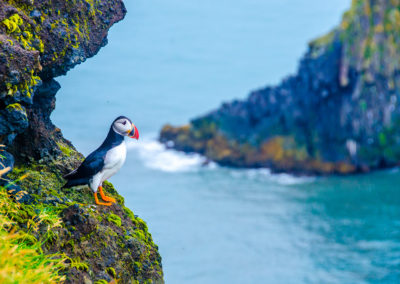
<point>94,163</point>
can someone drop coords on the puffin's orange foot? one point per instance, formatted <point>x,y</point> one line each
<point>104,197</point>
<point>100,203</point>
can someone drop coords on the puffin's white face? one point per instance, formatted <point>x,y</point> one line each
<point>125,127</point>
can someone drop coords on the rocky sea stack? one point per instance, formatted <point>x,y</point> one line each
<point>40,40</point>
<point>338,115</point>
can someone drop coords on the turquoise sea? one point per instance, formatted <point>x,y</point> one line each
<point>170,61</point>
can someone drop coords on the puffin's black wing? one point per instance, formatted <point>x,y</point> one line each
<point>93,164</point>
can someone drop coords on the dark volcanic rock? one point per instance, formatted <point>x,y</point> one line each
<point>338,114</point>
<point>40,40</point>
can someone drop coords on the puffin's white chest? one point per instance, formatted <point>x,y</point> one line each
<point>113,161</point>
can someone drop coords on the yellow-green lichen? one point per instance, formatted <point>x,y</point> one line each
<point>15,106</point>
<point>23,33</point>
<point>111,271</point>
<point>26,87</point>
<point>65,149</point>
<point>13,23</point>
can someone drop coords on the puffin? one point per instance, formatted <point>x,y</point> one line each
<point>105,161</point>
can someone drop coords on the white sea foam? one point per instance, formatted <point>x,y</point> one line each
<point>287,179</point>
<point>156,156</point>
<point>268,176</point>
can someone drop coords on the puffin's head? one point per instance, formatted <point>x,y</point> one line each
<point>124,126</point>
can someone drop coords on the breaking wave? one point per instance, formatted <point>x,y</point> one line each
<point>157,156</point>
<point>268,176</point>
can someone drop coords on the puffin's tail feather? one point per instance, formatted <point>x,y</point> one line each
<point>69,175</point>
<point>74,182</point>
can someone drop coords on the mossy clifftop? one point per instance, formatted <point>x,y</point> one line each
<point>40,40</point>
<point>96,242</point>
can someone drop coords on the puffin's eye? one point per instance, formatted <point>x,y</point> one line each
<point>124,122</point>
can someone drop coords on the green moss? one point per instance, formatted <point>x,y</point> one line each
<point>111,271</point>
<point>42,180</point>
<point>114,219</point>
<point>120,242</point>
<point>43,184</point>
<point>65,149</point>
<point>101,281</point>
<point>25,260</point>
<point>129,213</point>
<point>382,139</point>
<point>87,237</point>
<point>51,236</point>
<point>109,188</point>
<point>138,265</point>
<point>71,243</point>
<point>76,263</point>
<point>140,235</point>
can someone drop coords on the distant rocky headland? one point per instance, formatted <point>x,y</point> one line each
<point>40,40</point>
<point>339,114</point>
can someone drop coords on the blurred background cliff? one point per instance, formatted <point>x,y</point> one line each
<point>269,134</point>
<point>176,63</point>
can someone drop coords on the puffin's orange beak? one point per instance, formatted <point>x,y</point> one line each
<point>134,132</point>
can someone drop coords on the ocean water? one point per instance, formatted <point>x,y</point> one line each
<point>169,61</point>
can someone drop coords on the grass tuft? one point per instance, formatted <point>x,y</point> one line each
<point>21,256</point>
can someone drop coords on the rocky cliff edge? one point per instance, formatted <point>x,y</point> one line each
<point>339,114</point>
<point>40,40</point>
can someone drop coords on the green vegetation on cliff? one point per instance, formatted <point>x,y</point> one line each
<point>339,114</point>
<point>21,257</point>
<point>92,242</point>
<point>50,233</point>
